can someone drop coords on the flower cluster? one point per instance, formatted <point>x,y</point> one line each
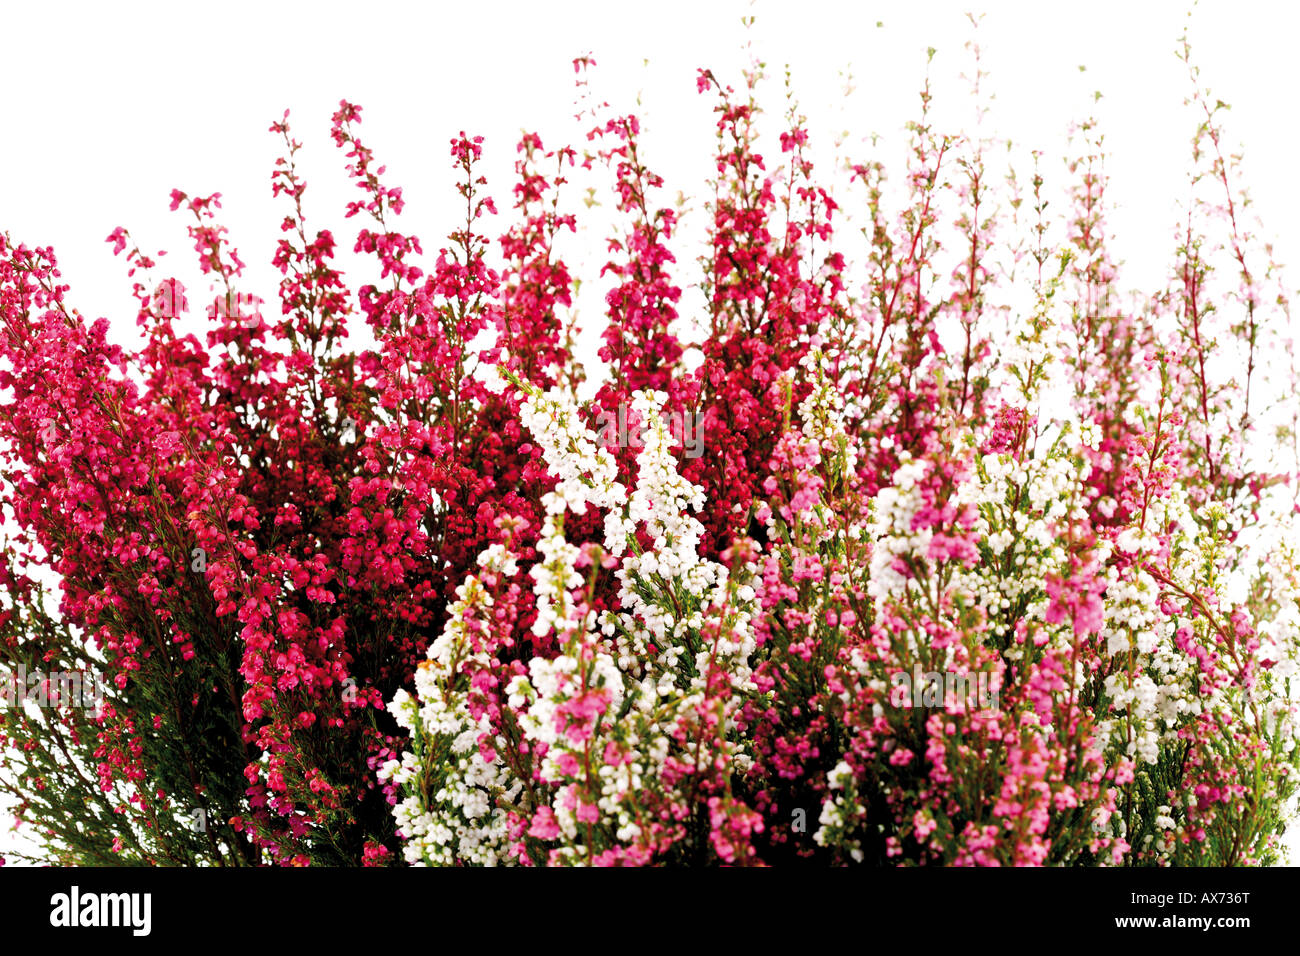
<point>921,592</point>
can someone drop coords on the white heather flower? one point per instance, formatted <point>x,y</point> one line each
<point>586,472</point>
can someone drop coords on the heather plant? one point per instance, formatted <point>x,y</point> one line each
<point>416,601</point>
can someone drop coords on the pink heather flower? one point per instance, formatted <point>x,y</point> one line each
<point>923,825</point>
<point>568,764</point>
<point>544,826</point>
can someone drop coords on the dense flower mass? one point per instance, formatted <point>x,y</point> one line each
<point>968,564</point>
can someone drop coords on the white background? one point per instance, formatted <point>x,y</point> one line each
<point>109,106</point>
